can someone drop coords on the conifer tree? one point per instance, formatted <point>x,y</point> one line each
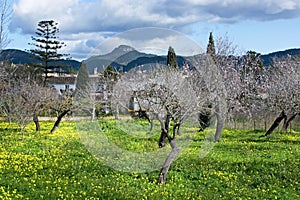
<point>46,46</point>
<point>82,80</point>
<point>211,45</point>
<point>171,58</point>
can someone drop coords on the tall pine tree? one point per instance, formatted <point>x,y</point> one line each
<point>46,46</point>
<point>171,59</point>
<point>211,45</point>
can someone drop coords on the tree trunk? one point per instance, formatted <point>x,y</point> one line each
<point>36,122</point>
<point>204,118</point>
<point>162,138</point>
<point>176,129</point>
<point>143,115</point>
<point>59,118</point>
<point>219,129</point>
<point>164,132</point>
<point>93,113</point>
<point>117,113</point>
<point>288,121</point>
<point>234,121</point>
<point>151,125</point>
<point>276,123</point>
<point>165,168</point>
<point>265,123</point>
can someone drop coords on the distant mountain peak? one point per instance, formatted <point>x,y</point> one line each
<point>124,48</point>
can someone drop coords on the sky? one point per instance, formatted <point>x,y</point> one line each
<point>85,26</point>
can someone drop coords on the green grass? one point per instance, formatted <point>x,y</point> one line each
<point>59,166</point>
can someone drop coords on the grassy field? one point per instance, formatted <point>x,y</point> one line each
<point>59,166</point>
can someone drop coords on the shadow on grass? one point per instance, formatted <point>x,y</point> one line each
<point>257,136</point>
<point>2,129</point>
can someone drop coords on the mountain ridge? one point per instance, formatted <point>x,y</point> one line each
<point>17,56</point>
<point>124,58</point>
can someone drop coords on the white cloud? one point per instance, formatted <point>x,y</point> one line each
<point>83,45</point>
<point>153,40</point>
<point>27,13</point>
<point>80,20</point>
<point>147,40</point>
<point>235,10</point>
<point>280,6</point>
<point>120,15</point>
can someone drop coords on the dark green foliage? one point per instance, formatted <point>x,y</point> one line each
<point>82,80</point>
<point>204,118</point>
<point>46,46</point>
<point>253,67</point>
<point>211,45</point>
<point>110,73</point>
<point>171,59</point>
<point>256,58</point>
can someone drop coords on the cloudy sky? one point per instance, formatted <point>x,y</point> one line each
<point>260,25</point>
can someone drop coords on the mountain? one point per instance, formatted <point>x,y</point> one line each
<point>119,58</point>
<point>22,57</point>
<point>267,58</point>
<point>124,58</point>
<point>17,56</point>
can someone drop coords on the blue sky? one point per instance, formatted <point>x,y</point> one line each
<point>264,26</point>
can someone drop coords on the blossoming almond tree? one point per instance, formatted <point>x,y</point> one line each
<point>283,90</point>
<point>22,98</point>
<point>166,95</point>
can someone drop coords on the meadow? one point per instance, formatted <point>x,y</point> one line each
<point>59,166</point>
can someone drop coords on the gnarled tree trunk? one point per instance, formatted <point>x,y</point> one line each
<point>219,129</point>
<point>164,131</point>
<point>59,118</point>
<point>220,121</point>
<point>36,122</point>
<point>172,140</point>
<point>165,168</point>
<point>275,123</point>
<point>287,121</point>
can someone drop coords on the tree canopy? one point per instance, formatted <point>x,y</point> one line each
<point>46,46</point>
<point>171,58</point>
<point>211,45</point>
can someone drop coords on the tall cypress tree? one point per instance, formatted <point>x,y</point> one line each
<point>211,45</point>
<point>171,58</point>
<point>46,45</point>
<point>82,80</point>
